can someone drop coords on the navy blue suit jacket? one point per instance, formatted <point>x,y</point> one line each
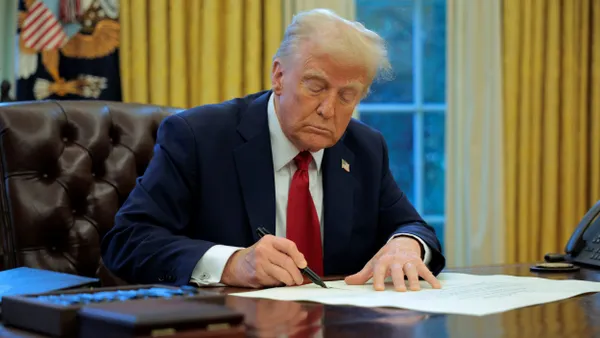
<point>211,181</point>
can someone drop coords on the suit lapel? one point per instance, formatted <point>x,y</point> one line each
<point>338,197</point>
<point>254,165</point>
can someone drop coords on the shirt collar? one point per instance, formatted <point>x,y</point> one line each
<point>282,148</point>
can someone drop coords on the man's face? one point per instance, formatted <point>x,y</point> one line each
<point>317,96</point>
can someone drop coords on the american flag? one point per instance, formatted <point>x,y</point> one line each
<point>41,30</point>
<point>345,165</point>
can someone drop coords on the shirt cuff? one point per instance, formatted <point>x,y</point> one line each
<point>209,269</point>
<point>427,254</point>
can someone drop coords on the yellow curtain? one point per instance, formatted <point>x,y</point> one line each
<point>190,52</point>
<point>551,121</point>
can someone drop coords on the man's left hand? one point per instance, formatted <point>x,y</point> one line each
<point>398,258</point>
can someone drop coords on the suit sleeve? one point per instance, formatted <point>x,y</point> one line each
<point>398,216</point>
<point>148,243</point>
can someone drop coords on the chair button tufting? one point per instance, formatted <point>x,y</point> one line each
<point>45,175</point>
<point>65,139</point>
<point>53,248</point>
<point>93,174</point>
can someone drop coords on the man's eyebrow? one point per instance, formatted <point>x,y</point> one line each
<point>354,84</point>
<point>315,74</point>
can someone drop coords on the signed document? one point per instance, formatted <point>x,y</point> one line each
<point>460,294</point>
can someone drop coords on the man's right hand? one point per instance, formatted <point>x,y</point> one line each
<point>272,261</point>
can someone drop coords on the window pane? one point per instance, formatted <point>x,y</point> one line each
<point>393,20</point>
<point>434,51</point>
<point>398,132</point>
<point>434,163</point>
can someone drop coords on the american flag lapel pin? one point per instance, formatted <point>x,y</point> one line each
<point>345,165</point>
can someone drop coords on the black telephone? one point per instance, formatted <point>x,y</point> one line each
<point>584,245</point>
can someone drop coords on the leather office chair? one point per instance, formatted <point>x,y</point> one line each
<point>67,166</point>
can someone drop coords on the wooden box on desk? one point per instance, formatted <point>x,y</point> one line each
<point>159,317</point>
<point>32,313</point>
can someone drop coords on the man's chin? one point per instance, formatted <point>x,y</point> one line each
<point>315,142</point>
<point>314,147</point>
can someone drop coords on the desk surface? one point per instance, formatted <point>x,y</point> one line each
<point>574,317</point>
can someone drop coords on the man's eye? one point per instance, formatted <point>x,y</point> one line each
<point>348,97</point>
<point>315,89</point>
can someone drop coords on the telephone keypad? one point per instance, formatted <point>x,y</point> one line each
<point>596,240</point>
<point>593,251</point>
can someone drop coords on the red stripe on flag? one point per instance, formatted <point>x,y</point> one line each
<point>55,41</point>
<point>48,26</point>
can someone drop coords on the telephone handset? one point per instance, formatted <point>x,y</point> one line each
<point>584,245</point>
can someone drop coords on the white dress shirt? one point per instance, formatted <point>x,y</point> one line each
<point>209,269</point>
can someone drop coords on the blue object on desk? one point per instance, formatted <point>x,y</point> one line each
<point>24,280</point>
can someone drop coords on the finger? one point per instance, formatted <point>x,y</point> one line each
<point>289,248</point>
<point>264,278</point>
<point>285,262</point>
<point>379,274</point>
<point>429,277</point>
<point>259,261</point>
<point>362,276</point>
<point>279,274</point>
<point>413,276</point>
<point>398,277</point>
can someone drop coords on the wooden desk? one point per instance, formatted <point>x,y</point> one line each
<point>575,317</point>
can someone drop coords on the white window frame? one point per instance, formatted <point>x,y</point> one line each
<point>417,109</point>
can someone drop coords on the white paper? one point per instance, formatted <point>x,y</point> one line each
<point>460,294</point>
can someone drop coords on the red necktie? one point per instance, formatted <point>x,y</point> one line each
<point>302,224</point>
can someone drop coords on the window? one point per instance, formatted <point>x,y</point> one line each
<point>410,109</point>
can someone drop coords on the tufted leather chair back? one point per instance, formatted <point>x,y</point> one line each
<point>66,167</point>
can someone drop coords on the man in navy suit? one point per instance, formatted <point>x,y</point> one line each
<point>291,160</point>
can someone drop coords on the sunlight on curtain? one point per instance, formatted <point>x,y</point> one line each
<point>190,52</point>
<point>474,193</point>
<point>8,33</point>
<point>552,119</point>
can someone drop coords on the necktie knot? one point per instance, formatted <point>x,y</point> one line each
<point>303,160</point>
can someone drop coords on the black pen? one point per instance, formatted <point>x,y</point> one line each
<point>307,271</point>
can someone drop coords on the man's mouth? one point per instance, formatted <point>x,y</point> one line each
<point>317,129</point>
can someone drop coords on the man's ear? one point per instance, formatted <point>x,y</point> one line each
<point>277,77</point>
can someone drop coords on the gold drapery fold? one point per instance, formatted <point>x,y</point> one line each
<point>186,53</point>
<point>551,52</point>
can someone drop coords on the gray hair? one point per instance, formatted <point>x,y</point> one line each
<point>339,37</point>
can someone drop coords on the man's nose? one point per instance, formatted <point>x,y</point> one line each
<point>327,107</point>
